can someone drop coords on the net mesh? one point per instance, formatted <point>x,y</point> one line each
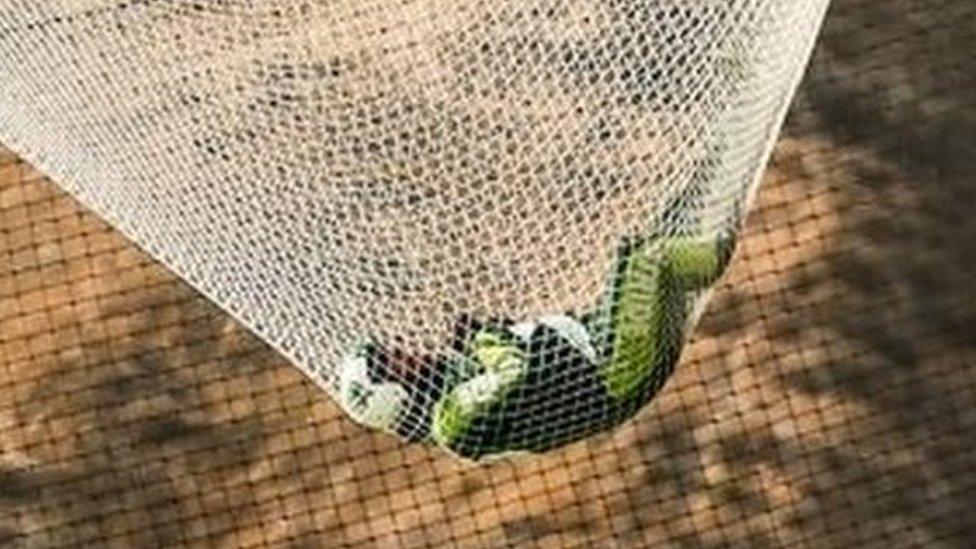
<point>485,224</point>
<point>826,400</point>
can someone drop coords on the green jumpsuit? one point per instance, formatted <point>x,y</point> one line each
<point>530,389</point>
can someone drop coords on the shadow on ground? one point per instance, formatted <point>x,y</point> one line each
<point>828,400</point>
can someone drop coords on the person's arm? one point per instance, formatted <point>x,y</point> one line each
<point>502,365</point>
<point>636,318</point>
<point>648,305</point>
<point>697,262</point>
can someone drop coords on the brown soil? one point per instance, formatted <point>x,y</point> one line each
<point>828,399</point>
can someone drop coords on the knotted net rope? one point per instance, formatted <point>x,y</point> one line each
<point>485,224</point>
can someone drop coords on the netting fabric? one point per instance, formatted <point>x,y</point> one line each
<point>484,224</point>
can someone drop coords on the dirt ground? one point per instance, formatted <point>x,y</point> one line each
<point>827,400</point>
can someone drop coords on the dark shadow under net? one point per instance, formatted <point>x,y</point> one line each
<point>827,399</point>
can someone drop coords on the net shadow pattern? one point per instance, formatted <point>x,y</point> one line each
<point>827,399</point>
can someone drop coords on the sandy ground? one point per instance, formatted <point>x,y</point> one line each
<point>828,398</point>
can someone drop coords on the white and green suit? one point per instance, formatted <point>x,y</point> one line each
<point>536,385</point>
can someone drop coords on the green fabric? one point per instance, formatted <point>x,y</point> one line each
<point>534,386</point>
<point>638,314</point>
<point>491,354</point>
<point>650,306</point>
<point>645,313</point>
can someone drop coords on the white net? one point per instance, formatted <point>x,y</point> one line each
<point>485,224</point>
